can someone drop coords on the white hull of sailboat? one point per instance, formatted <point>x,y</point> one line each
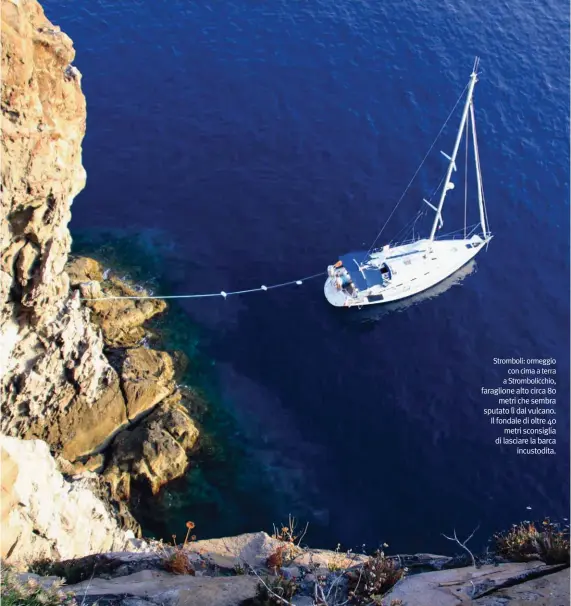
<point>395,273</point>
<point>416,267</point>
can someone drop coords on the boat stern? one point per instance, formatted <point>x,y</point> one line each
<point>335,296</point>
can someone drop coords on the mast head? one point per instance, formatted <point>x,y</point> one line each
<point>475,68</point>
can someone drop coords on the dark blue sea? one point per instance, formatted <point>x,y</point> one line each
<point>239,143</point>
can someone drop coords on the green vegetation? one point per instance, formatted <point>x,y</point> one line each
<point>548,542</point>
<point>275,590</point>
<point>377,575</point>
<point>31,593</point>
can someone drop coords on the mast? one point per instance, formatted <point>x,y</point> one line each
<point>478,172</point>
<point>452,158</point>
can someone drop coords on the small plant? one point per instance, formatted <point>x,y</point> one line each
<point>276,559</point>
<point>177,562</point>
<point>31,593</point>
<point>337,562</point>
<point>377,575</point>
<point>274,590</point>
<point>289,534</point>
<point>524,542</point>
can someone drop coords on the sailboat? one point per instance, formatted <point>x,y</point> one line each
<point>399,270</point>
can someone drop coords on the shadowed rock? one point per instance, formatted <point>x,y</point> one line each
<point>155,451</point>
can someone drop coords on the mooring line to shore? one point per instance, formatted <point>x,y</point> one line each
<point>210,294</point>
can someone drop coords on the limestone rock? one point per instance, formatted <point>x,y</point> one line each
<point>59,386</point>
<point>83,269</point>
<point>251,548</point>
<point>451,587</point>
<point>170,590</point>
<point>147,378</point>
<point>44,515</point>
<point>43,124</point>
<point>155,451</point>
<point>121,320</point>
<point>56,383</point>
<point>550,590</point>
<point>56,380</point>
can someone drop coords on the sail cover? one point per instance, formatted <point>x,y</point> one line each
<point>365,278</point>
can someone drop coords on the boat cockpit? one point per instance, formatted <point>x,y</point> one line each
<point>362,277</point>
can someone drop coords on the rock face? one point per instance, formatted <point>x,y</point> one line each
<point>45,516</point>
<point>56,381</point>
<point>72,373</point>
<point>43,124</point>
<point>155,451</point>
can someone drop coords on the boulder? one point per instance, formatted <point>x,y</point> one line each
<point>457,585</point>
<point>83,269</point>
<point>147,377</point>
<point>45,516</point>
<point>121,320</point>
<point>549,590</point>
<point>252,549</point>
<point>172,590</point>
<point>155,451</point>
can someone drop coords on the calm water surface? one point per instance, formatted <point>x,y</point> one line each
<point>253,142</point>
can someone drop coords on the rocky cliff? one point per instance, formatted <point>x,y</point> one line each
<point>72,374</point>
<point>88,408</point>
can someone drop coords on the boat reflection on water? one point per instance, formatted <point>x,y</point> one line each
<point>376,312</point>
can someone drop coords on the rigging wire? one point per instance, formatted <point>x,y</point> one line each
<point>417,171</point>
<point>477,154</point>
<point>466,181</point>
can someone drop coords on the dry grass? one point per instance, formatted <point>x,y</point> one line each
<point>177,562</point>
<point>289,533</point>
<point>526,541</point>
<point>377,575</point>
<point>276,559</point>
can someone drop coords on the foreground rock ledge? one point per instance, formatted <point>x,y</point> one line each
<point>127,579</point>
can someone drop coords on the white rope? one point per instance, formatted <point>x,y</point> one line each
<point>210,294</point>
<point>417,171</point>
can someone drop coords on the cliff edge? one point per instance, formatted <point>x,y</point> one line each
<point>75,375</point>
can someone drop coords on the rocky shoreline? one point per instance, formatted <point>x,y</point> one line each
<point>77,374</point>
<point>153,446</point>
